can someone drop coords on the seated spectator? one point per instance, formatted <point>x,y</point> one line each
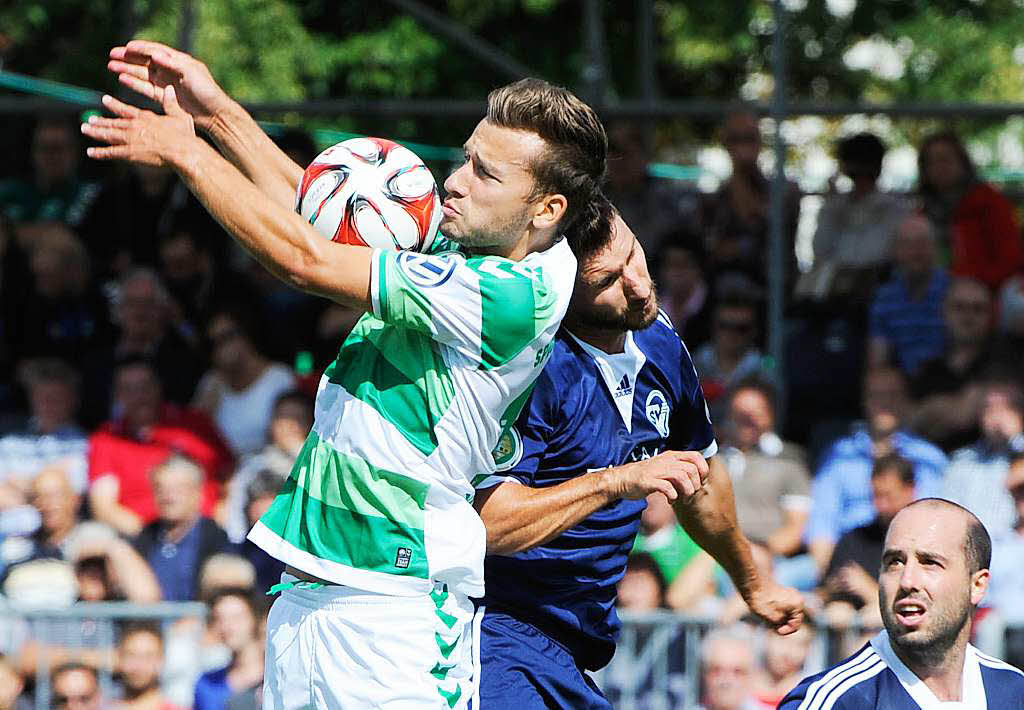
<point>290,423</point>
<point>259,495</point>
<point>181,539</point>
<point>728,669</point>
<point>976,477</point>
<point>124,451</point>
<point>736,218</point>
<point>851,579</point>
<point>841,490</point>
<point>732,355</point>
<point>140,661</point>
<point>855,230</point>
<point>239,393</point>
<point>663,538</point>
<point>62,311</point>
<point>147,328</point>
<point>63,536</point>
<point>906,328</point>
<point>49,438</point>
<point>784,658</point>
<point>946,389</point>
<point>76,686</point>
<point>55,192</point>
<point>771,482</point>
<point>642,587</point>
<point>977,226</point>
<point>234,618</point>
<point>683,290</point>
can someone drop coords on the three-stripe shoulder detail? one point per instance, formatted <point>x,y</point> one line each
<point>823,693</point>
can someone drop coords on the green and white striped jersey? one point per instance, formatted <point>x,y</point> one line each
<point>408,414</point>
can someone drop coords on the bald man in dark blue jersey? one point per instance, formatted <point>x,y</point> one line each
<point>616,415</point>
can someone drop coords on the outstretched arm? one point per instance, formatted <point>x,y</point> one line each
<point>709,517</point>
<point>520,517</point>
<point>149,67</point>
<point>276,236</point>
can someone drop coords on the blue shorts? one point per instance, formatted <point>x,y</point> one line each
<point>522,668</point>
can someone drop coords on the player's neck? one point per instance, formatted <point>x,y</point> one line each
<point>609,341</point>
<point>940,669</point>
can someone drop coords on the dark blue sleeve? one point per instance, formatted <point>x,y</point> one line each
<point>690,425</point>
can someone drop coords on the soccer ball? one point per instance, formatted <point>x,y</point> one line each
<point>372,192</point>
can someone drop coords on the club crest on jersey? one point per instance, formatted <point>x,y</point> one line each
<point>657,410</point>
<point>509,450</point>
<point>426,271</point>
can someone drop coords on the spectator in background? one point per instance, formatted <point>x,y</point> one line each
<point>290,423</point>
<point>841,490</point>
<point>784,658</point>
<point>946,389</point>
<point>76,686</point>
<point>642,587</point>
<point>62,535</point>
<point>61,312</point>
<point>732,355</point>
<point>770,479</point>
<point>180,541</point>
<point>147,430</point>
<point>736,219</point>
<point>851,579</point>
<point>855,230</point>
<point>11,686</point>
<point>234,618</point>
<point>683,290</point>
<point>906,328</point>
<point>240,391</point>
<point>259,494</point>
<point>50,437</point>
<point>55,193</point>
<point>728,667</point>
<point>145,317</point>
<point>977,226</point>
<point>663,538</point>
<point>976,477</point>
<point>1007,579</point>
<point>140,661</point>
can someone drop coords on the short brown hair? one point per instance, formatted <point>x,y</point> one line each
<point>575,161</point>
<point>592,230</point>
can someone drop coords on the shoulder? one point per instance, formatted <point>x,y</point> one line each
<point>1000,675</point>
<point>849,684</point>
<point>660,338</point>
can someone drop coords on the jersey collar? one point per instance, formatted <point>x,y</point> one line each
<point>619,372</point>
<point>972,693</point>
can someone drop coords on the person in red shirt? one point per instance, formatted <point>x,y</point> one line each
<point>144,432</point>
<point>977,225</point>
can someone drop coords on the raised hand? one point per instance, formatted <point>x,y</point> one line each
<point>674,473</point>
<point>140,136</point>
<point>148,68</point>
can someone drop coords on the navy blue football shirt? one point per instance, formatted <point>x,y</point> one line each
<point>589,411</point>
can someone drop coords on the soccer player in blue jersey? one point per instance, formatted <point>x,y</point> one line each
<point>617,414</point>
<point>934,574</point>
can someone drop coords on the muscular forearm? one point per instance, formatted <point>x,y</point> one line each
<point>276,236</point>
<point>518,517</point>
<point>709,517</point>
<point>249,149</point>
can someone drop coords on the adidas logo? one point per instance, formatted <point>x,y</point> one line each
<point>624,389</point>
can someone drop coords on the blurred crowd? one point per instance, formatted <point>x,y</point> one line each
<point>155,387</point>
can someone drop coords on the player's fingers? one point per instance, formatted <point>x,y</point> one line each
<point>108,152</point>
<point>104,122</point>
<point>697,459</point>
<point>665,488</point>
<point>142,87</point>
<point>146,48</point>
<point>120,67</point>
<point>111,136</point>
<point>120,107</point>
<point>170,102</point>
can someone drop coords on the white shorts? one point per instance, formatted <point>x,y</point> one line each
<point>338,647</point>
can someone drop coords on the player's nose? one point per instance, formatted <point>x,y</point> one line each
<point>452,185</point>
<point>638,284</point>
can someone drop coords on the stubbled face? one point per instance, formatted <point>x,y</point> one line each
<point>614,289</point>
<point>140,658</point>
<point>488,201</point>
<point>750,417</point>
<point>728,670</point>
<point>926,592</point>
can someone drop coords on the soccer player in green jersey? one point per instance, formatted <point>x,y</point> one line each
<point>375,523</point>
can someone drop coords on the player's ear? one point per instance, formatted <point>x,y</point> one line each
<point>979,585</point>
<point>549,211</point>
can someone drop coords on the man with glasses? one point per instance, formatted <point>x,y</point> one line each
<point>76,686</point>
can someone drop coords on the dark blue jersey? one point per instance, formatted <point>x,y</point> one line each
<point>575,423</point>
<point>874,677</point>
